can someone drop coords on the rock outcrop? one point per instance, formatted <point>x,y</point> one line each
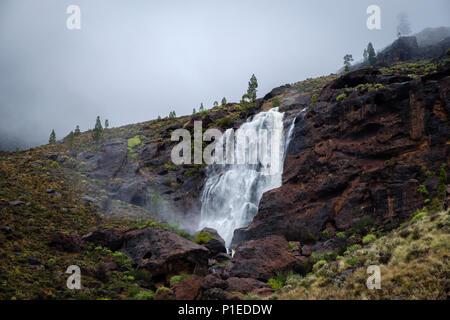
<point>359,158</point>
<point>262,259</point>
<point>163,253</point>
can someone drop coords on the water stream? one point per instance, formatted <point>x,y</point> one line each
<point>232,192</point>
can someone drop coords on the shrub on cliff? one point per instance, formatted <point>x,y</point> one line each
<point>369,238</point>
<point>341,97</point>
<point>203,237</point>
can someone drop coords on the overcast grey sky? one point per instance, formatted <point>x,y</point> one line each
<point>136,59</point>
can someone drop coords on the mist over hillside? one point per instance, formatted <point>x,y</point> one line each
<point>154,57</point>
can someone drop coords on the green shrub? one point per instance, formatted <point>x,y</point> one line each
<point>316,257</point>
<point>318,265</point>
<point>190,172</point>
<point>161,289</point>
<point>429,174</point>
<point>369,238</point>
<point>145,295</point>
<point>325,234</point>
<point>203,237</point>
<point>418,216</point>
<point>54,165</point>
<point>121,259</point>
<point>441,190</point>
<point>222,263</point>
<point>293,246</point>
<point>443,174</point>
<point>354,247</point>
<point>142,274</point>
<point>134,290</point>
<point>423,190</point>
<point>331,256</point>
<point>352,261</point>
<point>170,167</point>
<point>363,223</point>
<point>341,235</point>
<point>133,142</point>
<point>275,284</point>
<point>314,99</point>
<point>177,279</point>
<point>128,278</point>
<point>341,97</point>
<point>224,123</point>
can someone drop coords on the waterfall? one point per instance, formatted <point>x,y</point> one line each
<point>232,192</point>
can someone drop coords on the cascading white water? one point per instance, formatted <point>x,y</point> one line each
<point>232,192</point>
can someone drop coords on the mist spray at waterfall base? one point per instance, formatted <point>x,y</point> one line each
<point>232,192</point>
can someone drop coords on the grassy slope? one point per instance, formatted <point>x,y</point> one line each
<point>414,262</point>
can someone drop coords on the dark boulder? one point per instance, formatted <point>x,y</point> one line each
<point>165,253</point>
<point>66,242</point>
<point>109,238</point>
<point>190,288</point>
<point>216,244</point>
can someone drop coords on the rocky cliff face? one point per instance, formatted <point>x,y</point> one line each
<point>359,155</point>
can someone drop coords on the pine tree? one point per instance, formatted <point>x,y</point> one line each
<point>52,138</point>
<point>98,129</point>
<point>159,118</point>
<point>371,55</point>
<point>77,131</point>
<point>70,138</point>
<point>252,86</point>
<point>201,107</point>
<point>106,124</point>
<point>194,111</point>
<point>347,59</point>
<point>224,102</point>
<point>216,104</point>
<point>366,55</point>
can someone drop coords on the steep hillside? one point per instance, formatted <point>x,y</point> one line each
<point>369,148</point>
<point>414,263</point>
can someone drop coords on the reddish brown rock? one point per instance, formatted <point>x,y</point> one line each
<point>262,259</point>
<point>190,288</point>
<point>165,253</point>
<point>245,285</point>
<point>165,294</point>
<point>66,242</point>
<point>109,238</point>
<point>214,281</point>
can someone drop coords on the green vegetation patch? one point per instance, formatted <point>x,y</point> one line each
<point>203,237</point>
